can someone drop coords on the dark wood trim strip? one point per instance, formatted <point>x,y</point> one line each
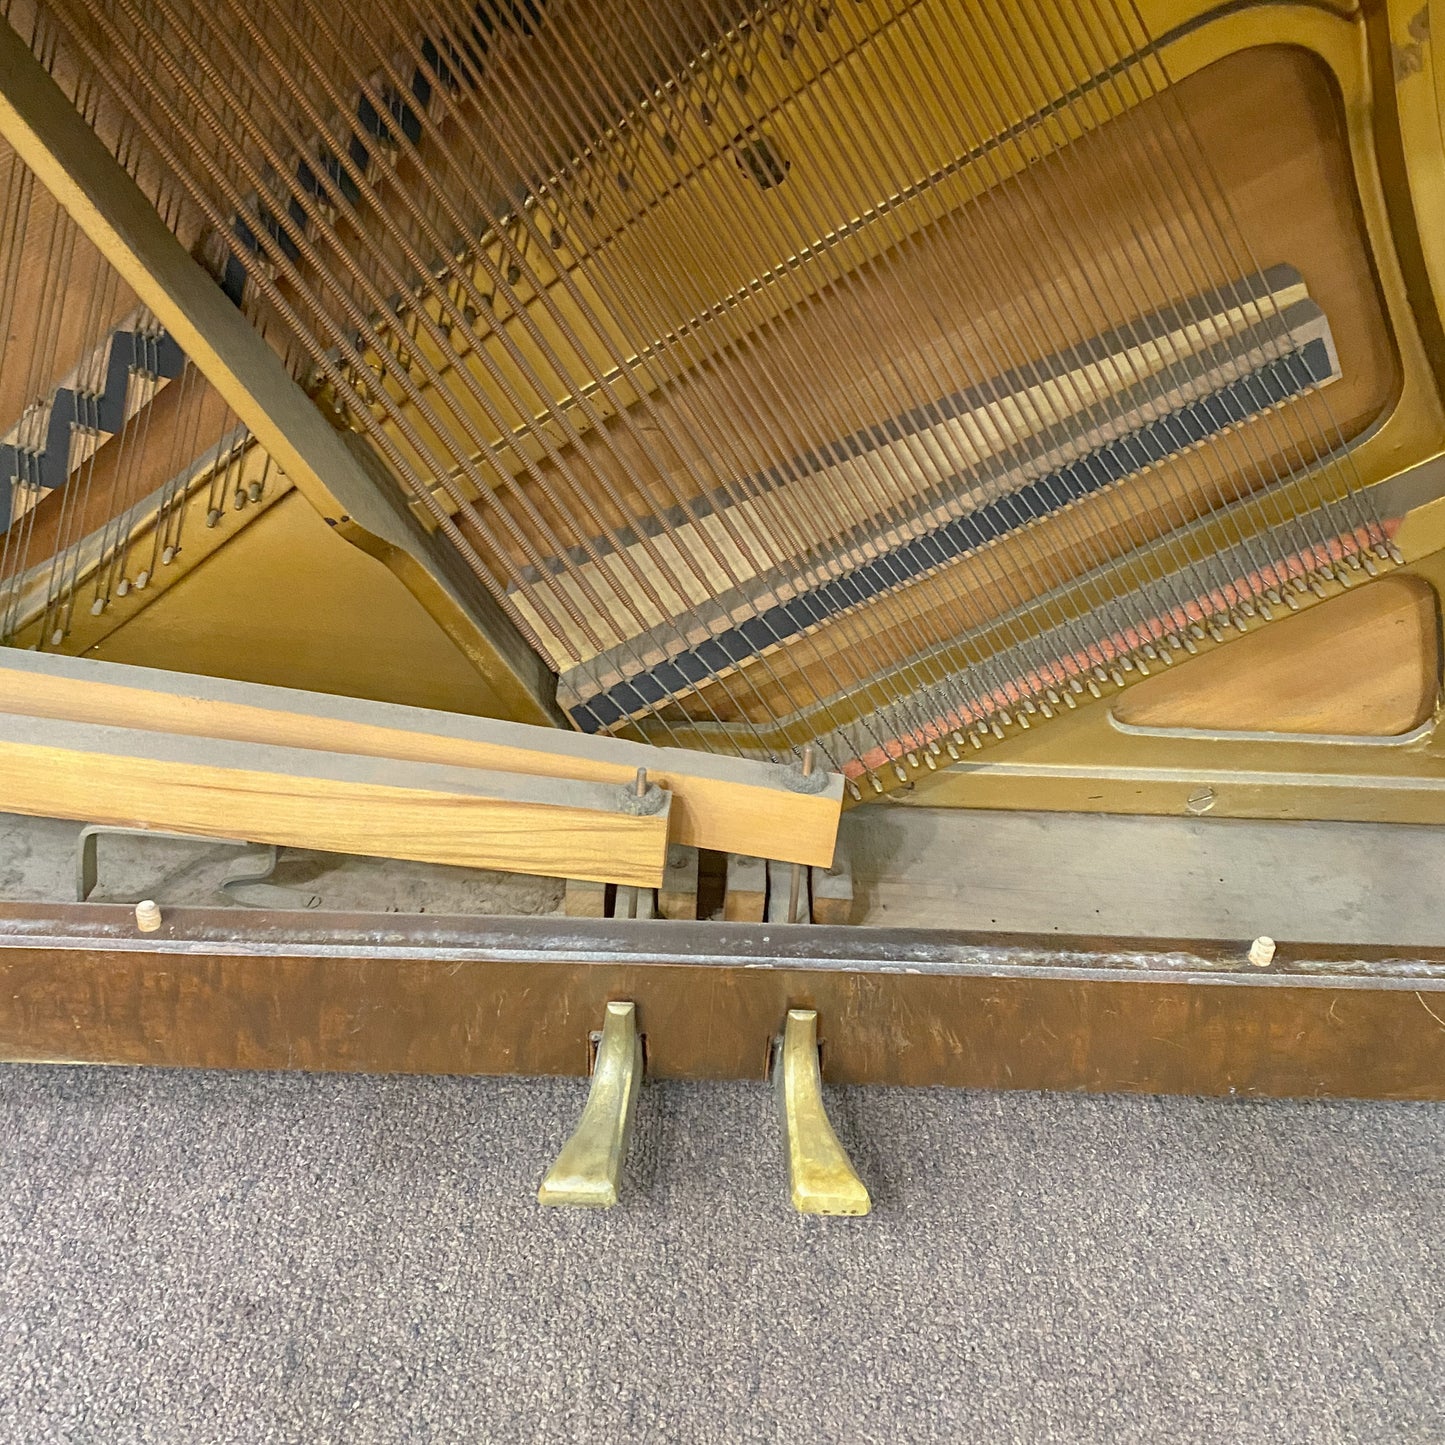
<point>227,989</point>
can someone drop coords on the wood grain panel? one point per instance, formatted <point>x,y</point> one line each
<point>1365,664</point>
<point>191,996</point>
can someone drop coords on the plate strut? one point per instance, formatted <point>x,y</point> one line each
<point>246,880</point>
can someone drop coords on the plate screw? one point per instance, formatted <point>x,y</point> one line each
<point>1200,801</point>
<point>148,915</point>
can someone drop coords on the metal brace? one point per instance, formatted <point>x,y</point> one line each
<point>245,881</point>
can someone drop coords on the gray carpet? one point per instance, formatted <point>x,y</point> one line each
<point>209,1258</point>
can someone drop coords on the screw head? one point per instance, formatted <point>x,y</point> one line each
<point>1200,801</point>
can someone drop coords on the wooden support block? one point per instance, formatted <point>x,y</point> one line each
<point>677,898</point>
<point>782,906</point>
<point>746,900</point>
<point>331,801</point>
<point>734,805</point>
<point>584,899</point>
<point>833,900</point>
<point>634,903</point>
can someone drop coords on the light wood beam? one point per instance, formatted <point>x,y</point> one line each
<point>335,802</point>
<point>731,804</point>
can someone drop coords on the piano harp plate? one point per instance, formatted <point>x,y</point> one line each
<point>1360,256</point>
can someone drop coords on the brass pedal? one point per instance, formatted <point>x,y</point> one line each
<point>821,1177</point>
<point>588,1171</point>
